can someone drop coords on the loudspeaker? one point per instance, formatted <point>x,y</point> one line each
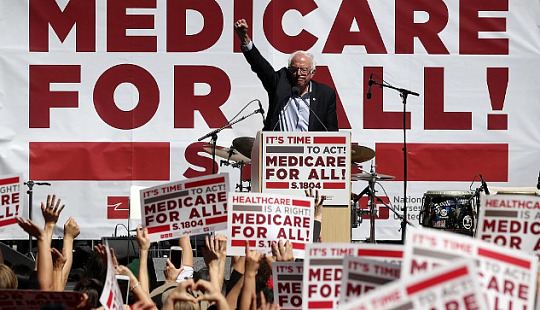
<point>125,248</point>
<point>12,257</point>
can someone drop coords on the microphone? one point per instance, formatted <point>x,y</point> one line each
<point>261,110</point>
<point>484,185</point>
<point>368,96</point>
<point>538,184</point>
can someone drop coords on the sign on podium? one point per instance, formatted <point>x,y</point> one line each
<point>293,162</point>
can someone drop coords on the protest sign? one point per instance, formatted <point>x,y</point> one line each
<point>323,267</point>
<point>507,276</point>
<point>37,300</point>
<point>449,287</point>
<point>361,275</point>
<point>511,221</point>
<point>288,284</point>
<point>11,199</point>
<point>322,274</point>
<point>262,219</point>
<point>292,162</point>
<point>111,297</point>
<point>185,208</point>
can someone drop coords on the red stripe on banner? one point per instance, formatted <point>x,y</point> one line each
<point>215,220</point>
<point>205,182</point>
<point>282,185</point>
<point>444,162</point>
<point>298,246</point>
<point>9,181</point>
<point>329,140</point>
<point>301,203</point>
<point>157,229</point>
<point>100,161</point>
<point>252,243</point>
<point>452,274</point>
<point>505,258</point>
<point>381,253</point>
<point>8,222</point>
<point>320,305</point>
<point>333,185</point>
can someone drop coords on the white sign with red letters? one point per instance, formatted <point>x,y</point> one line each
<point>449,287</point>
<point>262,219</point>
<point>507,276</point>
<point>11,199</point>
<point>111,296</point>
<point>361,275</point>
<point>511,221</point>
<point>323,268</point>
<point>288,283</point>
<point>185,208</point>
<point>292,162</point>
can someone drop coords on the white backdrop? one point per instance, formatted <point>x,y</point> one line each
<point>81,97</point>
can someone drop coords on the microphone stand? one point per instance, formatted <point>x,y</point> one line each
<point>30,193</point>
<point>213,134</point>
<point>403,93</point>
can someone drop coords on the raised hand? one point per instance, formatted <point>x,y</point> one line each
<point>283,251</point>
<point>51,210</point>
<point>171,273</point>
<point>143,239</point>
<point>31,228</point>
<point>71,228</point>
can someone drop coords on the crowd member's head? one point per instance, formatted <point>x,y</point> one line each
<point>8,279</point>
<point>92,289</point>
<point>26,277</point>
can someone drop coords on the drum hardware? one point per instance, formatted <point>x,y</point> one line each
<point>240,165</point>
<point>234,159</point>
<point>356,214</point>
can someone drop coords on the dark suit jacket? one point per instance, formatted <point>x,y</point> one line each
<point>277,84</point>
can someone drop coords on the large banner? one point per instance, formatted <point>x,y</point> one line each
<point>100,95</point>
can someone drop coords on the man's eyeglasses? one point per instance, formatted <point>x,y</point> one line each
<point>302,70</point>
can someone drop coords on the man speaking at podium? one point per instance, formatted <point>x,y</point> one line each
<point>296,102</point>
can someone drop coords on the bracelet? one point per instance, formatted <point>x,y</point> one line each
<point>134,286</point>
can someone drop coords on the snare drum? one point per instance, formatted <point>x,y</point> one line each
<point>448,210</point>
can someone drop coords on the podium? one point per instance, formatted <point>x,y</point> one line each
<point>292,162</point>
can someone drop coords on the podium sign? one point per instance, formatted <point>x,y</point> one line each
<point>291,162</point>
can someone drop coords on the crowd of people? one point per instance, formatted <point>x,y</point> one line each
<point>247,286</point>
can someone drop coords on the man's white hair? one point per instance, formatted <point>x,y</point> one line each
<point>308,55</point>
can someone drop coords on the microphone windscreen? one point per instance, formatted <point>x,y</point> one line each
<point>295,90</point>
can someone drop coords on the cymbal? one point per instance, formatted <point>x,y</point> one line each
<point>361,153</point>
<point>227,153</point>
<point>243,145</point>
<point>367,176</point>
